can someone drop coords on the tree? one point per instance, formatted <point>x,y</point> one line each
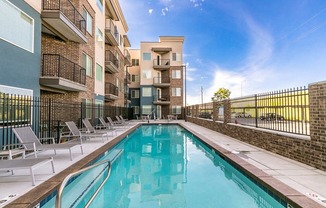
<point>221,94</point>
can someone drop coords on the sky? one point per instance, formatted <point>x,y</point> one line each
<point>246,46</point>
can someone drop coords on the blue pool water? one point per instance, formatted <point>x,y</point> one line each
<point>166,166</point>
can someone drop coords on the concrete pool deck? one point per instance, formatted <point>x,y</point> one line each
<point>306,180</point>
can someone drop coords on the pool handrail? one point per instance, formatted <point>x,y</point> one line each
<point>65,181</point>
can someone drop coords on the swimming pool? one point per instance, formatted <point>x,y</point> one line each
<point>166,166</point>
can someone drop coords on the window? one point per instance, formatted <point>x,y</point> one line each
<point>176,57</point>
<point>135,78</point>
<point>176,91</point>
<point>87,108</point>
<point>99,37</point>
<point>176,74</point>
<point>87,63</point>
<point>146,109</point>
<point>134,93</point>
<point>136,109</point>
<point>135,62</point>
<point>99,4</point>
<point>146,56</point>
<point>16,23</point>
<point>176,109</point>
<point>98,108</point>
<point>89,22</point>
<point>99,72</point>
<point>147,74</point>
<point>147,92</point>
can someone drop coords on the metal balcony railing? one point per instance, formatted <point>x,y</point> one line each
<point>55,65</point>
<point>110,57</point>
<point>161,80</point>
<point>127,57</point>
<point>161,62</point>
<point>161,98</point>
<point>111,89</point>
<point>112,29</point>
<point>69,10</point>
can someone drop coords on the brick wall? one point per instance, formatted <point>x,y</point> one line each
<point>310,151</point>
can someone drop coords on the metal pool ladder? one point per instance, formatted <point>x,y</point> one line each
<point>65,181</point>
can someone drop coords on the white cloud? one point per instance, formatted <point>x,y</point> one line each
<point>150,11</point>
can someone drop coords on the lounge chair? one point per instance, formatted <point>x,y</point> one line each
<point>7,152</point>
<point>29,140</point>
<point>74,131</point>
<point>116,123</point>
<point>30,164</point>
<point>106,125</point>
<point>92,130</point>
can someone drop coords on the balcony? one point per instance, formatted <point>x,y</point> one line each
<point>111,92</point>
<point>128,78</point>
<point>127,57</point>
<point>161,64</point>
<point>62,18</point>
<point>111,33</point>
<point>161,50</point>
<point>111,62</point>
<point>161,82</point>
<point>161,100</point>
<point>61,73</point>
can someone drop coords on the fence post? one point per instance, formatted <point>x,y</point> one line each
<point>215,111</point>
<point>49,118</point>
<point>256,111</point>
<point>227,111</point>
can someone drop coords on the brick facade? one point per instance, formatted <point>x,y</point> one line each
<point>310,151</point>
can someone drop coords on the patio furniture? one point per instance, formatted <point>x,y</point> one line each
<point>30,164</point>
<point>91,129</point>
<point>29,140</point>
<point>116,123</point>
<point>7,152</point>
<point>74,131</point>
<point>107,125</point>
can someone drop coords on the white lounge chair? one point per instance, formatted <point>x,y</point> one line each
<point>116,123</point>
<point>74,131</point>
<point>30,164</point>
<point>108,125</point>
<point>90,128</point>
<point>29,140</point>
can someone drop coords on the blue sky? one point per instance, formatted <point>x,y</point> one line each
<point>246,46</point>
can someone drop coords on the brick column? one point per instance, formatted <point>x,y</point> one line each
<point>317,111</point>
<point>227,111</point>
<point>197,111</point>
<point>215,111</point>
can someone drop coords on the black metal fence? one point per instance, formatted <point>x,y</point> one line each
<point>284,110</point>
<point>47,117</point>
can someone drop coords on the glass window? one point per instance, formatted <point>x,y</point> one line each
<point>146,56</point>
<point>134,93</point>
<point>99,37</point>
<point>99,72</point>
<point>87,63</point>
<point>89,21</point>
<point>176,74</point>
<point>176,91</point>
<point>176,109</point>
<point>135,78</point>
<point>147,92</point>
<point>99,4</point>
<point>147,74</point>
<point>98,108</point>
<point>87,110</point>
<point>176,57</point>
<point>135,62</point>
<point>14,23</point>
<point>146,109</point>
<point>136,109</point>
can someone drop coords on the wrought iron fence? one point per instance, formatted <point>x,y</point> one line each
<point>47,117</point>
<point>284,110</point>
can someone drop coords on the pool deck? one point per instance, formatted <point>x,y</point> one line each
<point>307,184</point>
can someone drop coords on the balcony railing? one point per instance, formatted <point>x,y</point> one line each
<point>161,63</point>
<point>55,65</point>
<point>128,77</point>
<point>161,99</point>
<point>111,89</point>
<point>111,62</point>
<point>69,10</point>
<point>112,33</point>
<point>161,80</point>
<point>127,57</point>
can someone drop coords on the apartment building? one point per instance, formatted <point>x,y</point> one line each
<point>157,77</point>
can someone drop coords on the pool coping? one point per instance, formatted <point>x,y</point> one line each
<point>283,191</point>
